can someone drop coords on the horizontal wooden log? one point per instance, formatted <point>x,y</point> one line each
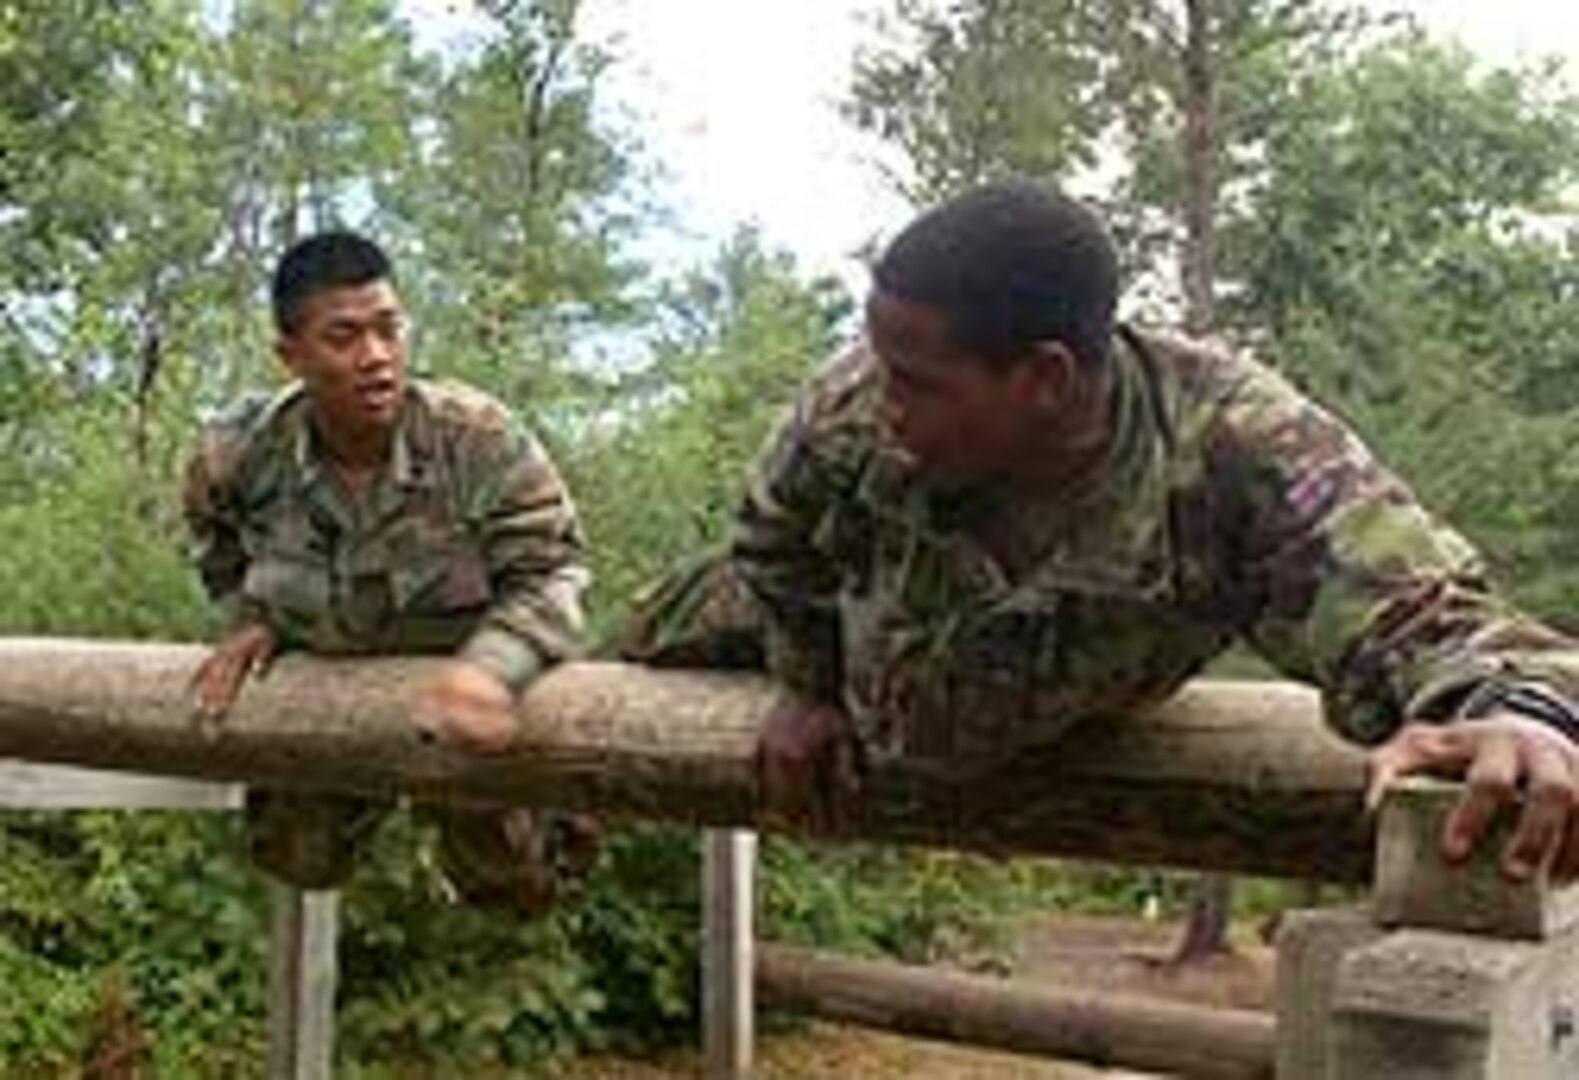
<point>1124,1031</point>
<point>1229,776</point>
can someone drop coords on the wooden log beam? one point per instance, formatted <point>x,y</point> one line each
<point>1102,1029</point>
<point>1230,776</point>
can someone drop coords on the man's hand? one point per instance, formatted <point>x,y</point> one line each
<point>247,651</point>
<point>465,705</point>
<point>807,765</point>
<point>1503,758</point>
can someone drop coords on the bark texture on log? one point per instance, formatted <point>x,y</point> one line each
<point>1103,1029</point>
<point>1231,776</point>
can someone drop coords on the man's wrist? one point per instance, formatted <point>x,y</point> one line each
<point>1528,699</point>
<point>514,661</point>
<point>238,611</point>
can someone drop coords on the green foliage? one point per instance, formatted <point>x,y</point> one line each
<point>1406,255</point>
<point>917,905</point>
<point>640,930</point>
<point>660,474</point>
<point>1052,88</point>
<point>968,91</point>
<point>425,980</point>
<point>517,210</point>
<point>95,549</point>
<point>127,927</point>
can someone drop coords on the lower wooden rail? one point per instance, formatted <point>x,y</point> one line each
<point>1102,1029</point>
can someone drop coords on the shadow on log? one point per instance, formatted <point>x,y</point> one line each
<point>1227,776</point>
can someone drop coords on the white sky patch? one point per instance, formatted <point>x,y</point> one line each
<point>1504,31</point>
<point>739,103</point>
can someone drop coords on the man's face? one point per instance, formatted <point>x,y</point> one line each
<point>348,349</point>
<point>961,419</point>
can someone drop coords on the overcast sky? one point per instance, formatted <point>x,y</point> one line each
<point>737,100</point>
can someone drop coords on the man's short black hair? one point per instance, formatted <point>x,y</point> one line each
<point>326,260</point>
<point>1009,263</point>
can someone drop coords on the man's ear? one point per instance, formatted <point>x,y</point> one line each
<point>285,349</point>
<point>1054,373</point>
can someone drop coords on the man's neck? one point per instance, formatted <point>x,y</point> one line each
<point>355,452</point>
<point>1073,448</point>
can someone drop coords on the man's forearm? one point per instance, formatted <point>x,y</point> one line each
<point>530,627</point>
<point>807,658</point>
<point>509,656</point>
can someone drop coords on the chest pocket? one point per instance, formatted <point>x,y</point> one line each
<point>289,574</point>
<point>437,570</point>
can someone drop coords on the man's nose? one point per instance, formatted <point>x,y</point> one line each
<point>375,350</point>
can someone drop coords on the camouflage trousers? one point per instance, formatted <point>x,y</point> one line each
<point>508,860</point>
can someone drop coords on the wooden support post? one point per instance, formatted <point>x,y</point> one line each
<point>302,968</point>
<point>729,858</point>
<point>1454,973</point>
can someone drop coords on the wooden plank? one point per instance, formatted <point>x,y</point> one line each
<point>302,975</point>
<point>25,785</point>
<point>1223,776</point>
<point>729,858</point>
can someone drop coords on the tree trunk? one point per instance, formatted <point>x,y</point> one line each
<point>1229,776</point>
<point>1200,172</point>
<point>1211,901</point>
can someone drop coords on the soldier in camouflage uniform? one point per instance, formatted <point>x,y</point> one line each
<point>356,513</point>
<point>1002,512</point>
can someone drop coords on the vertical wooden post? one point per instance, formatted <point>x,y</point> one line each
<point>728,963</point>
<point>302,970</point>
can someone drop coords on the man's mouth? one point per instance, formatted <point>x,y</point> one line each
<point>378,394</point>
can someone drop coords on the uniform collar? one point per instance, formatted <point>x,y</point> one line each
<point>1114,536</point>
<point>411,452</point>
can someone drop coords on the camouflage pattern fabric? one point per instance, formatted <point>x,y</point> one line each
<point>1230,508</point>
<point>515,862</point>
<point>466,543</point>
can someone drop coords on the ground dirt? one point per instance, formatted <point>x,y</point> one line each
<point>1112,954</point>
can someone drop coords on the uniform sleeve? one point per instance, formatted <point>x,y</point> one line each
<point>1354,586</point>
<point>535,554</point>
<point>781,552</point>
<point>214,532</point>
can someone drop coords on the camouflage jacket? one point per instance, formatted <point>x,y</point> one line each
<point>467,540</point>
<point>1230,508</point>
